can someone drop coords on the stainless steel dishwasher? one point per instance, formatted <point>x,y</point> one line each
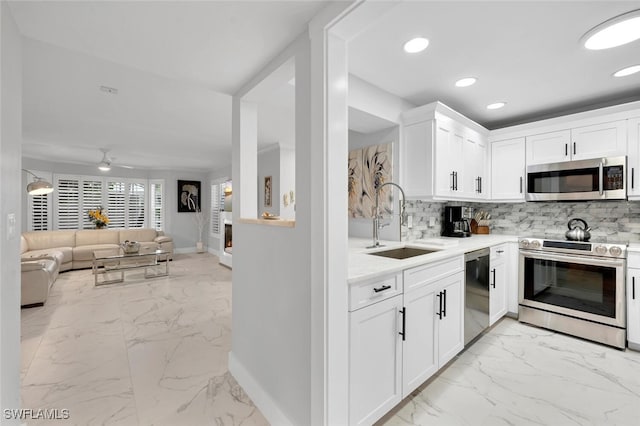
<point>476,306</point>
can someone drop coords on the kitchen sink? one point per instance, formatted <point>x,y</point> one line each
<point>403,252</point>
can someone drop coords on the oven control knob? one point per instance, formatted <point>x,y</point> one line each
<point>615,251</point>
<point>535,244</point>
<point>601,250</point>
<point>524,243</point>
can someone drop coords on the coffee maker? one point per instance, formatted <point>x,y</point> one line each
<point>455,225</point>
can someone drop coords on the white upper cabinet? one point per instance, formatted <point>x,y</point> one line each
<point>580,143</point>
<point>508,170</point>
<point>443,155</point>
<point>633,159</point>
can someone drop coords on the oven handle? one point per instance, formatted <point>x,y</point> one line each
<point>585,260</point>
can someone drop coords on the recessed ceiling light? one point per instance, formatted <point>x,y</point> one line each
<point>465,82</point>
<point>627,71</point>
<point>416,45</point>
<point>615,32</point>
<point>496,105</point>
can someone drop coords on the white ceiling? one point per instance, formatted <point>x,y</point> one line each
<point>525,53</point>
<point>174,63</point>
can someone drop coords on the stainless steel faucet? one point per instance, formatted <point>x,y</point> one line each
<point>377,225</point>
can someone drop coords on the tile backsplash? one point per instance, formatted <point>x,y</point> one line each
<point>613,221</point>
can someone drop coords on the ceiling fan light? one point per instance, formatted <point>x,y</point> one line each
<point>416,45</point>
<point>39,187</point>
<point>627,71</point>
<point>104,166</point>
<point>615,32</point>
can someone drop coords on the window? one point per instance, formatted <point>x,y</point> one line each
<point>216,206</point>
<point>124,201</point>
<point>39,208</point>
<point>156,203</point>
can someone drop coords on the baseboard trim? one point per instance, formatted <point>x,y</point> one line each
<point>260,398</point>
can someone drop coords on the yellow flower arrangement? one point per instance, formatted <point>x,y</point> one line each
<point>98,217</point>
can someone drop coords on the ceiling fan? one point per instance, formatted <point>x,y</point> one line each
<point>105,164</point>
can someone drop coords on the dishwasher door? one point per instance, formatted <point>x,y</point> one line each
<point>476,311</point>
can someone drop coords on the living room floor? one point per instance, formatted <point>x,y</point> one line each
<point>142,352</point>
<point>154,352</point>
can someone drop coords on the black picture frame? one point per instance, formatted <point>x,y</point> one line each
<point>188,196</point>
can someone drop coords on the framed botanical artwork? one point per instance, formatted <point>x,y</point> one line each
<point>267,191</point>
<point>188,196</point>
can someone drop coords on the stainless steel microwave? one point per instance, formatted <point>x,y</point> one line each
<point>594,179</point>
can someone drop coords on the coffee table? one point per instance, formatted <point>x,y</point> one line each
<point>117,261</point>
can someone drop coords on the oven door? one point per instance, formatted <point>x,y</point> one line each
<point>589,288</point>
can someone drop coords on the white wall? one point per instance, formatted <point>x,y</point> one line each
<point>271,350</point>
<point>10,189</point>
<point>363,228</point>
<point>180,226</point>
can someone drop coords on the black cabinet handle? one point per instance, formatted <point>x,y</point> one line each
<point>521,184</point>
<point>632,176</point>
<point>566,149</point>
<point>383,288</point>
<point>439,296</point>
<point>633,288</point>
<point>444,304</point>
<point>499,251</point>
<point>574,148</point>
<point>493,271</point>
<point>403,333</point>
<point>453,181</point>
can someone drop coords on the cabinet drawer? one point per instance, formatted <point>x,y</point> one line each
<point>423,275</point>
<point>498,252</point>
<point>633,259</point>
<point>368,292</point>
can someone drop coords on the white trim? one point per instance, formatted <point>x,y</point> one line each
<point>260,398</point>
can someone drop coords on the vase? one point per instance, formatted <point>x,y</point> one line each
<point>199,247</point>
<point>100,225</point>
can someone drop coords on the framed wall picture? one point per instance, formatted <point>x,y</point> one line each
<point>188,196</point>
<point>267,191</point>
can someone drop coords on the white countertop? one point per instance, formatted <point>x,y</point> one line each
<point>363,266</point>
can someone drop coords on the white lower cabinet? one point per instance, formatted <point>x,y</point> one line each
<point>498,285</point>
<point>398,341</point>
<point>375,361</point>
<point>633,302</point>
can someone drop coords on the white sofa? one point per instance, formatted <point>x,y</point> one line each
<point>45,253</point>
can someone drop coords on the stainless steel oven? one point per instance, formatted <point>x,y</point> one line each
<point>595,179</point>
<point>574,287</point>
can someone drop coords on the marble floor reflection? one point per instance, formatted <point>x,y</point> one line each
<point>144,352</point>
<point>522,375</point>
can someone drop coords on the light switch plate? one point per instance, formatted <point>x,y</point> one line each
<point>11,226</point>
<point>432,222</point>
<point>410,221</point>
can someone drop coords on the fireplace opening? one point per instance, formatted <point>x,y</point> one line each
<point>228,244</point>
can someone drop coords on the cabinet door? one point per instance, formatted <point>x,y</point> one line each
<point>474,167</point>
<point>633,306</point>
<point>599,140</point>
<point>449,319</point>
<point>419,358</point>
<point>508,170</point>
<point>549,147</point>
<point>497,290</point>
<point>417,159</point>
<point>448,160</point>
<point>633,159</point>
<point>375,357</point>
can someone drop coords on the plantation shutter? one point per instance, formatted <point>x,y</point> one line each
<point>116,204</point>
<point>157,204</point>
<point>215,208</point>
<point>91,200</point>
<point>39,213</point>
<point>67,203</point>
<point>135,210</point>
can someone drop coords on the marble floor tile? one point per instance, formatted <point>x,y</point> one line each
<point>142,352</point>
